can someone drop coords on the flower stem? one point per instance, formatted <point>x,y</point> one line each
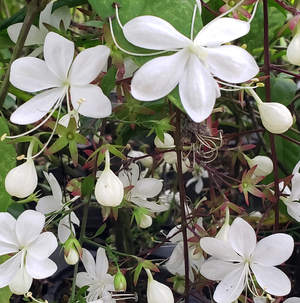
<point>34,8</point>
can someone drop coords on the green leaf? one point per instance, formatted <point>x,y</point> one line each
<point>283,89</point>
<point>87,186</point>
<point>100,230</point>
<point>7,162</point>
<point>108,82</point>
<point>94,23</point>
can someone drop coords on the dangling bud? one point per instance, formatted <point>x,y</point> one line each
<point>275,117</point>
<point>223,232</point>
<point>146,221</point>
<point>293,50</point>
<point>169,157</point>
<point>73,251</point>
<point>120,282</point>
<point>264,165</point>
<point>22,180</point>
<point>158,292</point>
<point>109,190</point>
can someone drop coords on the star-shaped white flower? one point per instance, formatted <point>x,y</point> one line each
<point>292,201</point>
<point>234,262</point>
<point>96,277</point>
<point>58,76</point>
<point>30,249</point>
<point>198,173</point>
<point>194,64</point>
<point>37,35</point>
<point>50,204</point>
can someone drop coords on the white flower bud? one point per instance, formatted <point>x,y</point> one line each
<point>293,50</point>
<point>146,221</point>
<point>158,292</point>
<point>22,180</point>
<point>170,157</point>
<point>264,165</point>
<point>73,256</point>
<point>109,190</point>
<point>275,117</point>
<point>168,141</point>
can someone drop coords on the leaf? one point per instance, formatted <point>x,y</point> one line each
<point>87,186</point>
<point>7,162</point>
<point>108,82</point>
<point>100,230</point>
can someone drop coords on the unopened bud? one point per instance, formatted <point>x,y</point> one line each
<point>72,251</point>
<point>264,165</point>
<point>146,221</point>
<point>120,282</point>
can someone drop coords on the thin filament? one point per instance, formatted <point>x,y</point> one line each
<point>193,21</point>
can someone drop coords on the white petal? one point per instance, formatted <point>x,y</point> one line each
<point>9,269</point>
<point>47,205</point>
<point>198,90</point>
<point>129,176</point>
<point>176,262</point>
<point>88,65</point>
<point>101,263</point>
<point>293,209</point>
<point>199,185</point>
<point>34,36</point>
<point>83,279</point>
<point>154,33</point>
<point>40,269</point>
<point>96,104</point>
<point>272,280</point>
<point>61,14</point>
<point>159,76</point>
<point>74,219</point>
<point>21,283</point>
<point>219,249</point>
<point>292,300</point>
<point>28,226</point>
<point>221,31</point>
<point>47,241</point>
<point>58,54</point>
<point>295,195</point>
<point>45,17</point>
<point>7,229</point>
<point>152,206</point>
<point>37,107</point>
<point>55,187</point>
<point>147,188</point>
<point>231,63</point>
<point>64,230</point>
<point>89,263</point>
<point>242,238</point>
<point>273,250</point>
<point>231,286</point>
<point>216,270</point>
<point>32,75</point>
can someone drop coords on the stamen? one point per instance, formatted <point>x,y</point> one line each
<point>21,157</point>
<point>254,11</point>
<point>3,137</point>
<point>118,18</point>
<point>193,21</point>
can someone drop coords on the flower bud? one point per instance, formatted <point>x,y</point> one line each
<point>109,190</point>
<point>73,251</point>
<point>223,232</point>
<point>168,141</point>
<point>120,282</point>
<point>293,50</point>
<point>22,180</point>
<point>146,221</point>
<point>275,117</point>
<point>264,165</point>
<point>158,292</point>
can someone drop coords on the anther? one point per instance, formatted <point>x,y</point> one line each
<point>21,157</point>
<point>3,136</point>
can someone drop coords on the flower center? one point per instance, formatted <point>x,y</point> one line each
<point>199,51</point>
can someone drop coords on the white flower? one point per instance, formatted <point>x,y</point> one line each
<point>175,264</point>
<point>146,161</point>
<point>158,292</point>
<point>50,204</point>
<point>168,196</point>
<point>37,35</point>
<point>292,201</point>
<point>194,63</point>
<point>198,173</point>
<point>293,50</point>
<point>22,180</point>
<point>142,189</point>
<point>264,165</point>
<point>96,277</point>
<point>235,261</point>
<point>30,249</point>
<point>109,189</point>
<point>56,76</point>
<point>169,157</point>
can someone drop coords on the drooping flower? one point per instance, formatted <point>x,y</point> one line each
<point>73,251</point>
<point>292,200</point>
<point>109,189</point>
<point>293,49</point>
<point>158,292</point>
<point>50,204</point>
<point>233,263</point>
<point>37,35</point>
<point>96,277</point>
<point>30,249</point>
<point>57,76</point>
<point>22,180</point>
<point>194,63</point>
<point>264,165</point>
